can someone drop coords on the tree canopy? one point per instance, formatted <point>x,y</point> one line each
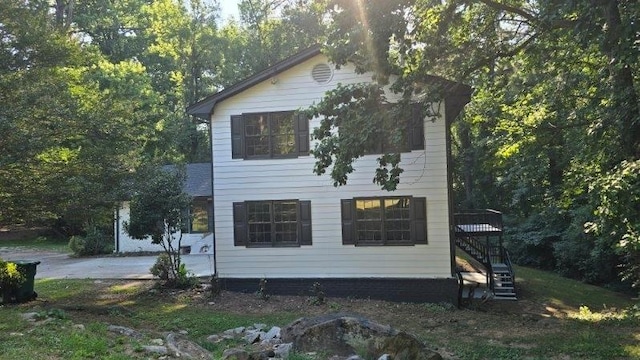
<point>552,135</point>
<point>92,89</point>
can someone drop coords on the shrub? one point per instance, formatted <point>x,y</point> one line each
<point>163,270</point>
<point>157,212</point>
<point>10,279</point>
<point>262,289</point>
<point>319,297</point>
<point>95,242</point>
<point>162,267</point>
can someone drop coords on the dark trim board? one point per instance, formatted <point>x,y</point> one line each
<point>204,108</point>
<point>391,289</point>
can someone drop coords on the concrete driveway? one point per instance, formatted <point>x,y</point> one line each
<point>55,265</point>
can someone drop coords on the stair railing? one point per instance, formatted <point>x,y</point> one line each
<point>477,245</point>
<point>496,254</point>
<point>507,261</point>
<point>479,220</point>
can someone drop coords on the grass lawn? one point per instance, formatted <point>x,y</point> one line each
<point>555,318</point>
<point>39,242</point>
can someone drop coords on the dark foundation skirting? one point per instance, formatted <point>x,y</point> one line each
<point>391,289</point>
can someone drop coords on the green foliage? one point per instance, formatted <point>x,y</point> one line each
<point>89,90</point>
<point>300,356</point>
<point>318,295</point>
<point>439,308</point>
<point>157,206</point>
<point>216,287</point>
<point>267,32</point>
<point>366,121</point>
<point>94,242</point>
<point>163,269</point>
<point>157,211</point>
<point>552,134</point>
<point>596,333</point>
<point>53,313</point>
<point>10,276</point>
<point>618,216</point>
<point>49,243</point>
<point>262,291</point>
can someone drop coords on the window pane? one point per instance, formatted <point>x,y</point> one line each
<point>259,222</point>
<point>368,220</point>
<point>256,124</point>
<point>200,216</point>
<point>283,133</point>
<point>394,141</point>
<point>397,219</point>
<point>256,132</point>
<point>285,217</point>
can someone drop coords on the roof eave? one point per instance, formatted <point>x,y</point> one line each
<point>204,108</point>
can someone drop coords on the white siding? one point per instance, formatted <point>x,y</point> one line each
<point>200,243</point>
<point>238,180</point>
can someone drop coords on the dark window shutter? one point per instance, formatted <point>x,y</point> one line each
<point>239,224</point>
<point>348,222</point>
<point>304,222</point>
<point>237,137</point>
<point>302,134</point>
<point>419,223</point>
<point>415,129</point>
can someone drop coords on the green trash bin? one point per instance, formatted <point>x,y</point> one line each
<point>25,291</point>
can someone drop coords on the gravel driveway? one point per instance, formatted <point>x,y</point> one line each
<point>55,265</point>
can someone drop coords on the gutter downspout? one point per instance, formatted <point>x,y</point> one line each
<point>117,229</point>
<point>452,242</point>
<point>213,199</point>
<point>454,103</point>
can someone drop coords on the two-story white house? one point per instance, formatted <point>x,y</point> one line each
<point>275,219</point>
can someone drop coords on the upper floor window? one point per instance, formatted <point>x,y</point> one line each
<point>269,135</point>
<point>411,135</point>
<point>272,223</point>
<point>384,221</point>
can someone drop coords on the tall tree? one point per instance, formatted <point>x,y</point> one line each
<point>158,212</point>
<point>76,122</point>
<point>555,109</point>
<point>267,32</point>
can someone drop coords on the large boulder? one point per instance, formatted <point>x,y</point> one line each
<point>344,334</point>
<point>179,346</point>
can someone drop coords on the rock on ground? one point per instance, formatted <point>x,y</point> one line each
<point>179,346</point>
<point>342,334</point>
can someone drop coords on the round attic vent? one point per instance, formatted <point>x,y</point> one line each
<point>322,73</point>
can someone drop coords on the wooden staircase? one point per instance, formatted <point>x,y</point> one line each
<point>503,282</point>
<point>475,231</point>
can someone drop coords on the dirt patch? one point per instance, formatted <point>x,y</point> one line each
<point>412,317</point>
<point>442,327</point>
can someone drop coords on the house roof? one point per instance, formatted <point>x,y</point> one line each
<point>198,181</point>
<point>204,108</point>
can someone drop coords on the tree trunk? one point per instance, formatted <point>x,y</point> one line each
<point>618,46</point>
<point>466,155</point>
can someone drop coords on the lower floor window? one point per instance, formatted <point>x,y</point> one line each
<point>272,223</point>
<point>200,219</point>
<point>384,221</point>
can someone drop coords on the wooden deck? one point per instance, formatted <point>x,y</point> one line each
<point>478,222</point>
<point>479,234</point>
